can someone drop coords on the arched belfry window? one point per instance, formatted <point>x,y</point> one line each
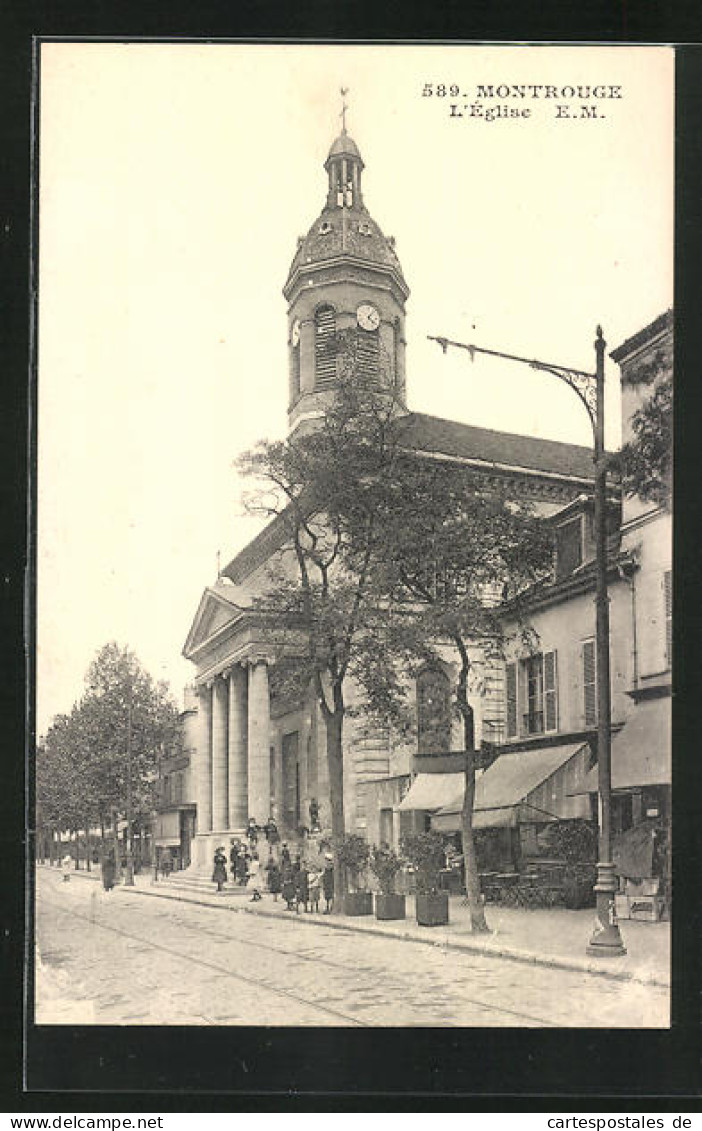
<point>325,345</point>
<point>433,712</point>
<point>295,367</point>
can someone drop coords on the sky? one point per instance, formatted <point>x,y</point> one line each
<point>174,181</point>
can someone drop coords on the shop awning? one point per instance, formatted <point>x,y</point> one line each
<point>535,779</point>
<point>167,842</point>
<point>446,821</point>
<point>641,752</point>
<point>431,791</point>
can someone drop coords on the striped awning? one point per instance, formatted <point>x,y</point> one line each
<point>431,791</point>
<point>446,821</point>
<point>526,785</point>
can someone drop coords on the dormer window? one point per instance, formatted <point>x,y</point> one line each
<point>364,229</point>
<point>325,228</point>
<point>569,547</point>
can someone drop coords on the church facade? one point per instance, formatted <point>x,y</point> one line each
<point>259,754</point>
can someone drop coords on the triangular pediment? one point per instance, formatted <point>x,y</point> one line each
<point>217,609</point>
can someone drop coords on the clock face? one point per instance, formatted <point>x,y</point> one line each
<point>295,332</point>
<point>368,317</point>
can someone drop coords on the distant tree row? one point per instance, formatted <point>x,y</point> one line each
<point>103,750</point>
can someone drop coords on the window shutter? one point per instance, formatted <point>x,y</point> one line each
<point>511,688</point>
<point>668,592</point>
<point>550,692</point>
<point>589,683</point>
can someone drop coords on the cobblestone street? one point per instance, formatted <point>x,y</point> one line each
<point>123,958</point>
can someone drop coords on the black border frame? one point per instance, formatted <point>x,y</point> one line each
<point>84,1069</point>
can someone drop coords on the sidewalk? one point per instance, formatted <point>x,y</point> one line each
<point>546,937</point>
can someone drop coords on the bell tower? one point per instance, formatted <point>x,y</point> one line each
<point>346,296</point>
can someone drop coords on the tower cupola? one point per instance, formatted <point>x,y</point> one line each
<point>344,166</point>
<point>346,294</point>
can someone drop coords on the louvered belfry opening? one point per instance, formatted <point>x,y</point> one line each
<point>325,346</point>
<point>367,354</point>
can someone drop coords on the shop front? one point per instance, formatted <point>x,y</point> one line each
<point>173,833</point>
<point>517,799</point>
<point>641,810</point>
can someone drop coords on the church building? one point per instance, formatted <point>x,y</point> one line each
<point>259,754</point>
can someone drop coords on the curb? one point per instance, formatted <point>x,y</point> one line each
<point>575,965</point>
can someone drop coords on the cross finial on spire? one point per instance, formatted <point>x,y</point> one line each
<point>219,566</point>
<point>344,108</point>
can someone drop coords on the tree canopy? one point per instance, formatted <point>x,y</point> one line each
<point>82,764</point>
<point>645,462</point>
<point>395,556</point>
<point>327,487</point>
<point>454,550</point>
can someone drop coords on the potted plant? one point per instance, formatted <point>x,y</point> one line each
<point>353,853</point>
<point>425,852</point>
<point>385,864</point>
<point>575,842</point>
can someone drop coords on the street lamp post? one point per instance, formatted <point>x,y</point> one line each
<point>606,939</point>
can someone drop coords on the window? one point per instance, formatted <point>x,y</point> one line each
<point>589,683</point>
<point>668,601</point>
<point>433,712</point>
<point>569,548</point>
<point>325,345</point>
<point>531,695</point>
<point>533,718</point>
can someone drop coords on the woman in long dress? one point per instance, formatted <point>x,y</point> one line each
<point>219,874</point>
<point>108,870</point>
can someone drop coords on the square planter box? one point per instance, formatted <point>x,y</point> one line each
<point>358,903</point>
<point>389,906</point>
<point>433,910</point>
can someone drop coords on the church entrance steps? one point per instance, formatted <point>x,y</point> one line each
<point>187,883</point>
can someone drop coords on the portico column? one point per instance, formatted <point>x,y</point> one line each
<point>219,754</point>
<point>203,765</point>
<point>238,728</point>
<point>259,776</point>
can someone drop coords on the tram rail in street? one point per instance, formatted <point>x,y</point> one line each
<point>262,985</point>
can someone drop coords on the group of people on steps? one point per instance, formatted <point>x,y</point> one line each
<point>301,883</point>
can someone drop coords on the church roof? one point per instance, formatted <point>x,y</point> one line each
<point>426,433</point>
<point>448,438</point>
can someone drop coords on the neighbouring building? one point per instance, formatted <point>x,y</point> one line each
<point>547,763</point>
<point>174,821</point>
<point>258,753</point>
